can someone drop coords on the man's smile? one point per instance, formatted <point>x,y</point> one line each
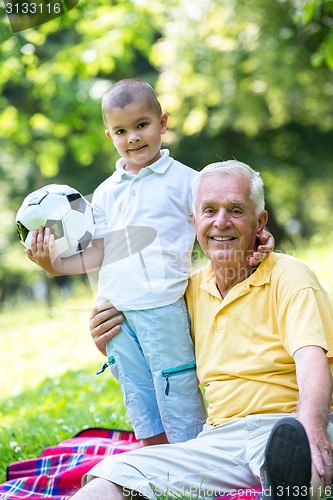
<point>223,238</point>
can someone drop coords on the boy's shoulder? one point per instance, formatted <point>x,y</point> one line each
<point>104,185</point>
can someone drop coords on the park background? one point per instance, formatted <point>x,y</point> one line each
<point>247,80</point>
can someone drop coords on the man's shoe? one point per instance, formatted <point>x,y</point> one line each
<point>287,464</point>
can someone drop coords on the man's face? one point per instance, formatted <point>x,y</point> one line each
<point>136,133</point>
<point>225,219</point>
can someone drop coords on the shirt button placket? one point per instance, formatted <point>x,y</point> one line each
<point>132,193</point>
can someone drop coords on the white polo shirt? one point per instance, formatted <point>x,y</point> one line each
<point>145,220</point>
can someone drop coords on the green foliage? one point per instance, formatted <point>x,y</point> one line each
<point>316,18</point>
<point>233,66</point>
<point>251,80</point>
<point>53,78</point>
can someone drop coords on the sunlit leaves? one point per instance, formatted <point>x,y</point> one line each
<point>316,18</point>
<point>252,63</point>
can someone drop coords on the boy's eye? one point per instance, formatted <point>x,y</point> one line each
<point>142,125</point>
<point>120,131</point>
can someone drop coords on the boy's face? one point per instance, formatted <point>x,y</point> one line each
<point>136,134</point>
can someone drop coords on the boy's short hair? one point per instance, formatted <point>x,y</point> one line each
<point>128,91</point>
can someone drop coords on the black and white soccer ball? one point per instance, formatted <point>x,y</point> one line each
<point>64,210</point>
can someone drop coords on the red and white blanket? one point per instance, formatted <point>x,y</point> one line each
<point>57,472</point>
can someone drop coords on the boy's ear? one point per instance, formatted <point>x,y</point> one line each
<point>164,122</point>
<point>108,135</point>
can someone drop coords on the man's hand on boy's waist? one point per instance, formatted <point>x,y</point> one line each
<point>105,323</point>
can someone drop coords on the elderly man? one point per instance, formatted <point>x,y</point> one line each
<point>263,342</point>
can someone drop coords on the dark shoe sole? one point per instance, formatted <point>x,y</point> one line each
<point>288,461</point>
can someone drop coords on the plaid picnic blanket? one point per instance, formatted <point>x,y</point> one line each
<point>57,472</point>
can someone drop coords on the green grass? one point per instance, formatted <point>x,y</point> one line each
<point>49,389</point>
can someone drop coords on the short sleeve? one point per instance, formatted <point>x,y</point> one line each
<point>307,319</point>
<point>99,205</point>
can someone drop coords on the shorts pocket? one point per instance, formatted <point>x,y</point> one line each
<point>111,362</point>
<point>176,372</point>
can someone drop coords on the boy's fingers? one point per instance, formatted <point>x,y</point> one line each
<point>30,254</point>
<point>264,237</point>
<point>263,249</point>
<point>40,237</point>
<point>51,243</point>
<point>257,257</point>
<point>33,239</point>
<point>47,232</point>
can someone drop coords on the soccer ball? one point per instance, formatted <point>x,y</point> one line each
<point>64,210</point>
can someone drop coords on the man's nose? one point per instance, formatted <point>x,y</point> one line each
<point>222,219</point>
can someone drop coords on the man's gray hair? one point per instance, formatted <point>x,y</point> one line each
<point>233,167</point>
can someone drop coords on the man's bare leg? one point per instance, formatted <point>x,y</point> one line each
<point>100,489</point>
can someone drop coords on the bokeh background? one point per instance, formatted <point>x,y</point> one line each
<point>251,80</point>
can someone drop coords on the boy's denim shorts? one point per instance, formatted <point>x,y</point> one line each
<point>153,359</point>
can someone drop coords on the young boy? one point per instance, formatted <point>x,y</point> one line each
<point>144,239</point>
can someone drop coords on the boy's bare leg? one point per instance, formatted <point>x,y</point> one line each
<point>100,489</point>
<point>158,439</point>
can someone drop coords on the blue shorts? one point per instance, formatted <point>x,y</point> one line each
<point>153,359</point>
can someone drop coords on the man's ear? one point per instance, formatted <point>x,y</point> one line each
<point>108,135</point>
<point>262,221</point>
<point>164,122</point>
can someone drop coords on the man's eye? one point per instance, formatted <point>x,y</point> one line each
<point>236,211</point>
<point>209,211</point>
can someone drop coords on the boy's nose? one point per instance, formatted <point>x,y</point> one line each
<point>134,137</point>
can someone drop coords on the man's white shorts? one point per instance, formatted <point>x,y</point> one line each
<point>221,460</point>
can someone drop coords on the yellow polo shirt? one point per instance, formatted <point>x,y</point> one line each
<point>244,344</point>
